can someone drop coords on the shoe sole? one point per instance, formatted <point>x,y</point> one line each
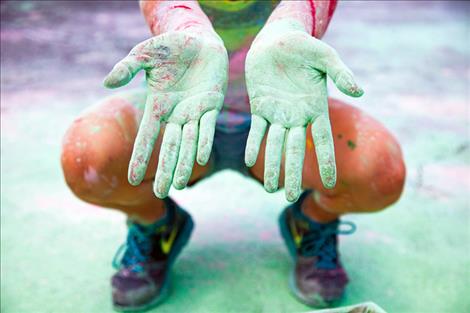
<point>316,302</point>
<point>179,244</point>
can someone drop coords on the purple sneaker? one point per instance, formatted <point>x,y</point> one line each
<point>142,280</point>
<point>318,277</point>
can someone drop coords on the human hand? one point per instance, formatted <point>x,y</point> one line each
<point>286,82</point>
<point>186,78</point>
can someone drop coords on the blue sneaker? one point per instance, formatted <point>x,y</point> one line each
<point>142,280</point>
<point>318,277</point>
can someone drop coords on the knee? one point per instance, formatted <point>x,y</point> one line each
<point>383,184</point>
<point>81,166</point>
<point>388,182</point>
<point>93,157</point>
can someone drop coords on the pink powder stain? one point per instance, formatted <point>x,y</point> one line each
<point>445,180</point>
<point>114,182</point>
<point>64,200</point>
<point>433,106</point>
<point>12,36</point>
<point>181,7</point>
<point>143,58</point>
<point>218,265</point>
<point>375,237</point>
<point>321,18</point>
<point>267,236</point>
<point>313,12</point>
<point>91,176</point>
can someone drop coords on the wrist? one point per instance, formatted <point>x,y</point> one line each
<point>165,16</point>
<point>178,16</point>
<point>285,25</point>
<point>280,27</point>
<point>296,15</point>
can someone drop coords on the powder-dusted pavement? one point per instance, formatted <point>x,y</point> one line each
<point>413,62</point>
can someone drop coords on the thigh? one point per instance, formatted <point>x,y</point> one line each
<point>368,158</point>
<point>98,146</point>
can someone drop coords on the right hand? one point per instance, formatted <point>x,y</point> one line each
<point>186,78</point>
<point>286,73</point>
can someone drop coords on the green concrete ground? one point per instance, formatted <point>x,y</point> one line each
<point>413,61</point>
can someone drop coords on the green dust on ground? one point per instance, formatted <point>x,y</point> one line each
<point>56,251</point>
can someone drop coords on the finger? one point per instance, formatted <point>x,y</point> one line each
<point>272,165</point>
<point>330,63</point>
<point>325,150</point>
<point>255,137</point>
<point>167,160</point>
<point>123,72</point>
<point>143,146</point>
<point>206,136</point>
<point>344,80</point>
<point>295,152</point>
<point>187,155</point>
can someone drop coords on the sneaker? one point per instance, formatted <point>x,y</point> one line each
<point>145,260</point>
<point>318,277</point>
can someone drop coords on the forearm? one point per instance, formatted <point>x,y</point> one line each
<point>312,16</point>
<point>165,16</point>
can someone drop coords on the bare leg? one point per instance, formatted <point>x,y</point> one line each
<point>96,153</point>
<point>370,167</point>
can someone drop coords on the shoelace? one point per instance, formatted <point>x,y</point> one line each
<point>135,251</point>
<point>321,242</point>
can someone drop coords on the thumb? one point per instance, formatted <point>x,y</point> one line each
<point>123,72</point>
<point>329,62</point>
<point>344,80</point>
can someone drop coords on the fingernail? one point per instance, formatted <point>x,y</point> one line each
<point>292,196</point>
<point>179,183</point>
<point>356,90</point>
<point>269,187</point>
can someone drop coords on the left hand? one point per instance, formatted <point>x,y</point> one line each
<point>186,74</point>
<point>286,81</point>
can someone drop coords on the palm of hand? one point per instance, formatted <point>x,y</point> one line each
<point>283,88</point>
<point>286,80</point>
<point>186,79</point>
